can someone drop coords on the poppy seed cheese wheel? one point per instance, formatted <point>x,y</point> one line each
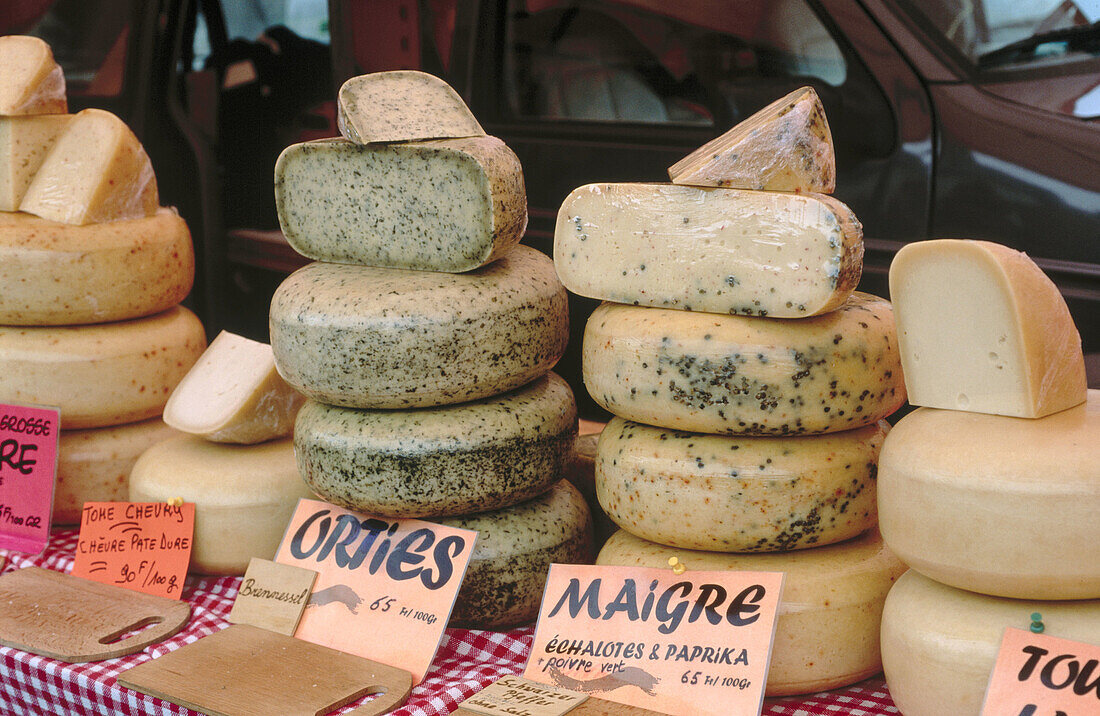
<point>365,337</point>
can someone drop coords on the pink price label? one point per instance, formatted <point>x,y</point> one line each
<point>28,468</point>
<point>1041,675</point>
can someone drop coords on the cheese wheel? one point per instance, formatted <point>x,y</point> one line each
<point>997,505</point>
<point>100,375</point>
<point>59,274</point>
<point>452,460</point>
<point>24,143</point>
<point>740,375</point>
<point>244,496</point>
<point>515,547</point>
<point>738,494</point>
<point>32,82</point>
<point>366,337</point>
<point>582,473</point>
<point>939,644</point>
<point>827,630</point>
<point>402,106</point>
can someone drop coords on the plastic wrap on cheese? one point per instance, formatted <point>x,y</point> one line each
<point>31,82</point>
<point>402,106</point>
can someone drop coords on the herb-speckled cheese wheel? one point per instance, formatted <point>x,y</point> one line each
<point>450,460</point>
<point>997,505</point>
<point>582,473</point>
<point>939,644</point>
<point>446,205</point>
<point>365,337</point>
<point>60,274</point>
<point>244,495</point>
<point>738,494</point>
<point>515,547</point>
<point>827,631</point>
<point>101,375</point>
<point>743,375</point>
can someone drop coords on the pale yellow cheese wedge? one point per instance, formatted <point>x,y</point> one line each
<point>24,143</point>
<point>97,171</point>
<point>983,329</point>
<point>31,81</point>
<point>402,106</point>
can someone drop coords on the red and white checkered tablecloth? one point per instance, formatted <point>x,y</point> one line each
<point>466,662</point>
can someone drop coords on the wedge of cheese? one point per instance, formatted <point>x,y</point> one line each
<point>97,171</point>
<point>32,82</point>
<point>402,106</point>
<point>448,205</point>
<point>59,274</point>
<point>983,329</point>
<point>715,250</point>
<point>24,143</point>
<point>786,146</point>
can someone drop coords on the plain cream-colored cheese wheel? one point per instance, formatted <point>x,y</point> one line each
<point>101,375</point>
<point>827,631</point>
<point>997,505</point>
<point>244,496</point>
<point>61,274</point>
<point>738,494</point>
<point>939,643</point>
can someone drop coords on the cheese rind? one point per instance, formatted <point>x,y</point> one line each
<point>715,250</point>
<point>738,375</point>
<point>827,630</point>
<point>100,375</point>
<point>402,106</point>
<point>582,473</point>
<point>59,274</point>
<point>449,205</point>
<point>738,494</point>
<point>452,460</point>
<point>787,146</point>
<point>983,329</point>
<point>997,505</point>
<point>939,644</point>
<point>32,82</point>
<point>24,143</point>
<point>364,337</point>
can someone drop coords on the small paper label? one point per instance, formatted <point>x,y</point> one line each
<point>144,546</point>
<point>272,596</point>
<point>658,640</point>
<point>1039,675</point>
<point>28,468</point>
<point>516,696</point>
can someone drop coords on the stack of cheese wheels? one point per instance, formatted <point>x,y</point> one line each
<point>748,380</point>
<point>990,490</point>
<point>91,272</point>
<point>424,337</point>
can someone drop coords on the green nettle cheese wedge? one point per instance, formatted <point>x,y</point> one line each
<point>451,460</point>
<point>402,106</point>
<point>444,205</point>
<point>705,249</point>
<point>364,337</point>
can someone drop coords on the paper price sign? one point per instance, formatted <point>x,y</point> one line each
<point>384,588</point>
<point>28,465</point>
<point>690,643</point>
<point>1039,675</point>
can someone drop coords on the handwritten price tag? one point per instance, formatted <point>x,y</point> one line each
<point>28,468</point>
<point>1039,675</point>
<point>144,546</point>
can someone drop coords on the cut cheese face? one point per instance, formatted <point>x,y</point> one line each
<point>24,143</point>
<point>97,171</point>
<point>939,644</point>
<point>32,82</point>
<point>449,205</point>
<point>983,329</point>
<point>997,505</point>
<point>233,394</point>
<point>827,630</point>
<point>738,375</point>
<point>715,250</point>
<point>402,106</point>
<point>60,274</point>
<point>786,146</point>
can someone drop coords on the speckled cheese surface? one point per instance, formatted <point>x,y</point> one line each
<point>60,274</point>
<point>738,494</point>
<point>827,630</point>
<point>32,82</point>
<point>706,249</point>
<point>244,496</point>
<point>515,547</point>
<point>101,375</point>
<point>402,106</point>
<point>451,460</point>
<point>742,375</point>
<point>364,337</point>
<point>939,644</point>
<point>24,142</point>
<point>997,505</point>
<point>447,205</point>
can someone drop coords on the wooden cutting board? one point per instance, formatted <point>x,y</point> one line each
<point>590,707</point>
<point>248,671</point>
<point>76,620</point>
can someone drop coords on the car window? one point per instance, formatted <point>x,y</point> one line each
<point>248,19</point>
